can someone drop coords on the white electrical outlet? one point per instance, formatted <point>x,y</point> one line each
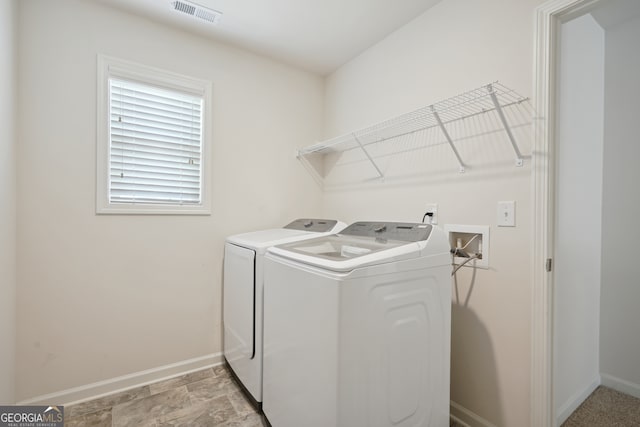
<point>506,214</point>
<point>433,209</point>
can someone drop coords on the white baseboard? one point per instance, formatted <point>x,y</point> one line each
<point>463,416</point>
<point>458,420</point>
<point>576,400</point>
<point>125,382</point>
<point>621,385</point>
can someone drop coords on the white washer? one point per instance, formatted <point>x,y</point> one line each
<point>242,296</point>
<point>357,328</point>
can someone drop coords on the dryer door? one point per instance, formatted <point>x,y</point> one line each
<point>239,299</point>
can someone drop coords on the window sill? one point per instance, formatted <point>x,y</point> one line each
<point>134,209</point>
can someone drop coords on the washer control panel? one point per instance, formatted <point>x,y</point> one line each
<point>402,231</point>
<point>312,224</point>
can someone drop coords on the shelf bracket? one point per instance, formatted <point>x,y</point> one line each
<point>449,140</point>
<point>310,168</point>
<point>368,156</point>
<point>507,129</point>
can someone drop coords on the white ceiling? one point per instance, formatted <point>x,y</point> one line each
<point>317,35</point>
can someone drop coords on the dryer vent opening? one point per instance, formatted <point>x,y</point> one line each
<point>195,10</point>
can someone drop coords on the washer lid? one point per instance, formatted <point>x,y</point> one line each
<point>360,244</point>
<point>265,238</point>
<point>295,231</point>
<point>340,248</point>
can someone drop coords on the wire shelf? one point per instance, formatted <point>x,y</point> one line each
<point>491,97</point>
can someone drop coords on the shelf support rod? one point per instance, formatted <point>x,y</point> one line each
<point>449,140</point>
<point>507,129</point>
<point>368,156</point>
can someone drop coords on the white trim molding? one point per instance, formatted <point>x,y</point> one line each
<point>541,321</point>
<point>547,19</point>
<point>621,385</point>
<point>462,415</point>
<point>565,411</point>
<point>125,382</point>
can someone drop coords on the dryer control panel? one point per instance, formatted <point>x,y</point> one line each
<point>402,231</point>
<point>312,224</point>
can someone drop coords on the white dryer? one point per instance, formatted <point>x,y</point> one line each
<point>357,328</point>
<point>242,296</point>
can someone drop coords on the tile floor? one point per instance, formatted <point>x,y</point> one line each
<point>204,398</point>
<point>209,397</point>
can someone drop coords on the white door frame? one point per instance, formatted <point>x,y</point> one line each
<point>549,16</point>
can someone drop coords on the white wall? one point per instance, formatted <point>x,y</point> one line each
<point>103,296</point>
<point>8,144</point>
<point>578,226</point>
<point>619,343</point>
<point>455,46</point>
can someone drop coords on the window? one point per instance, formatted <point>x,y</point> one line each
<point>152,140</point>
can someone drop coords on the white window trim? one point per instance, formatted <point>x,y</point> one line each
<point>113,67</point>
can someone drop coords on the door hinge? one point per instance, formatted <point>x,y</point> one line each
<point>549,264</point>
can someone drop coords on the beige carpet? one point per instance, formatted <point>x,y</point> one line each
<point>606,408</point>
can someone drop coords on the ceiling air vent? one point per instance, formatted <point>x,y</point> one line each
<point>198,11</point>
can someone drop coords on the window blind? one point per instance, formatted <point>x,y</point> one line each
<point>155,145</point>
